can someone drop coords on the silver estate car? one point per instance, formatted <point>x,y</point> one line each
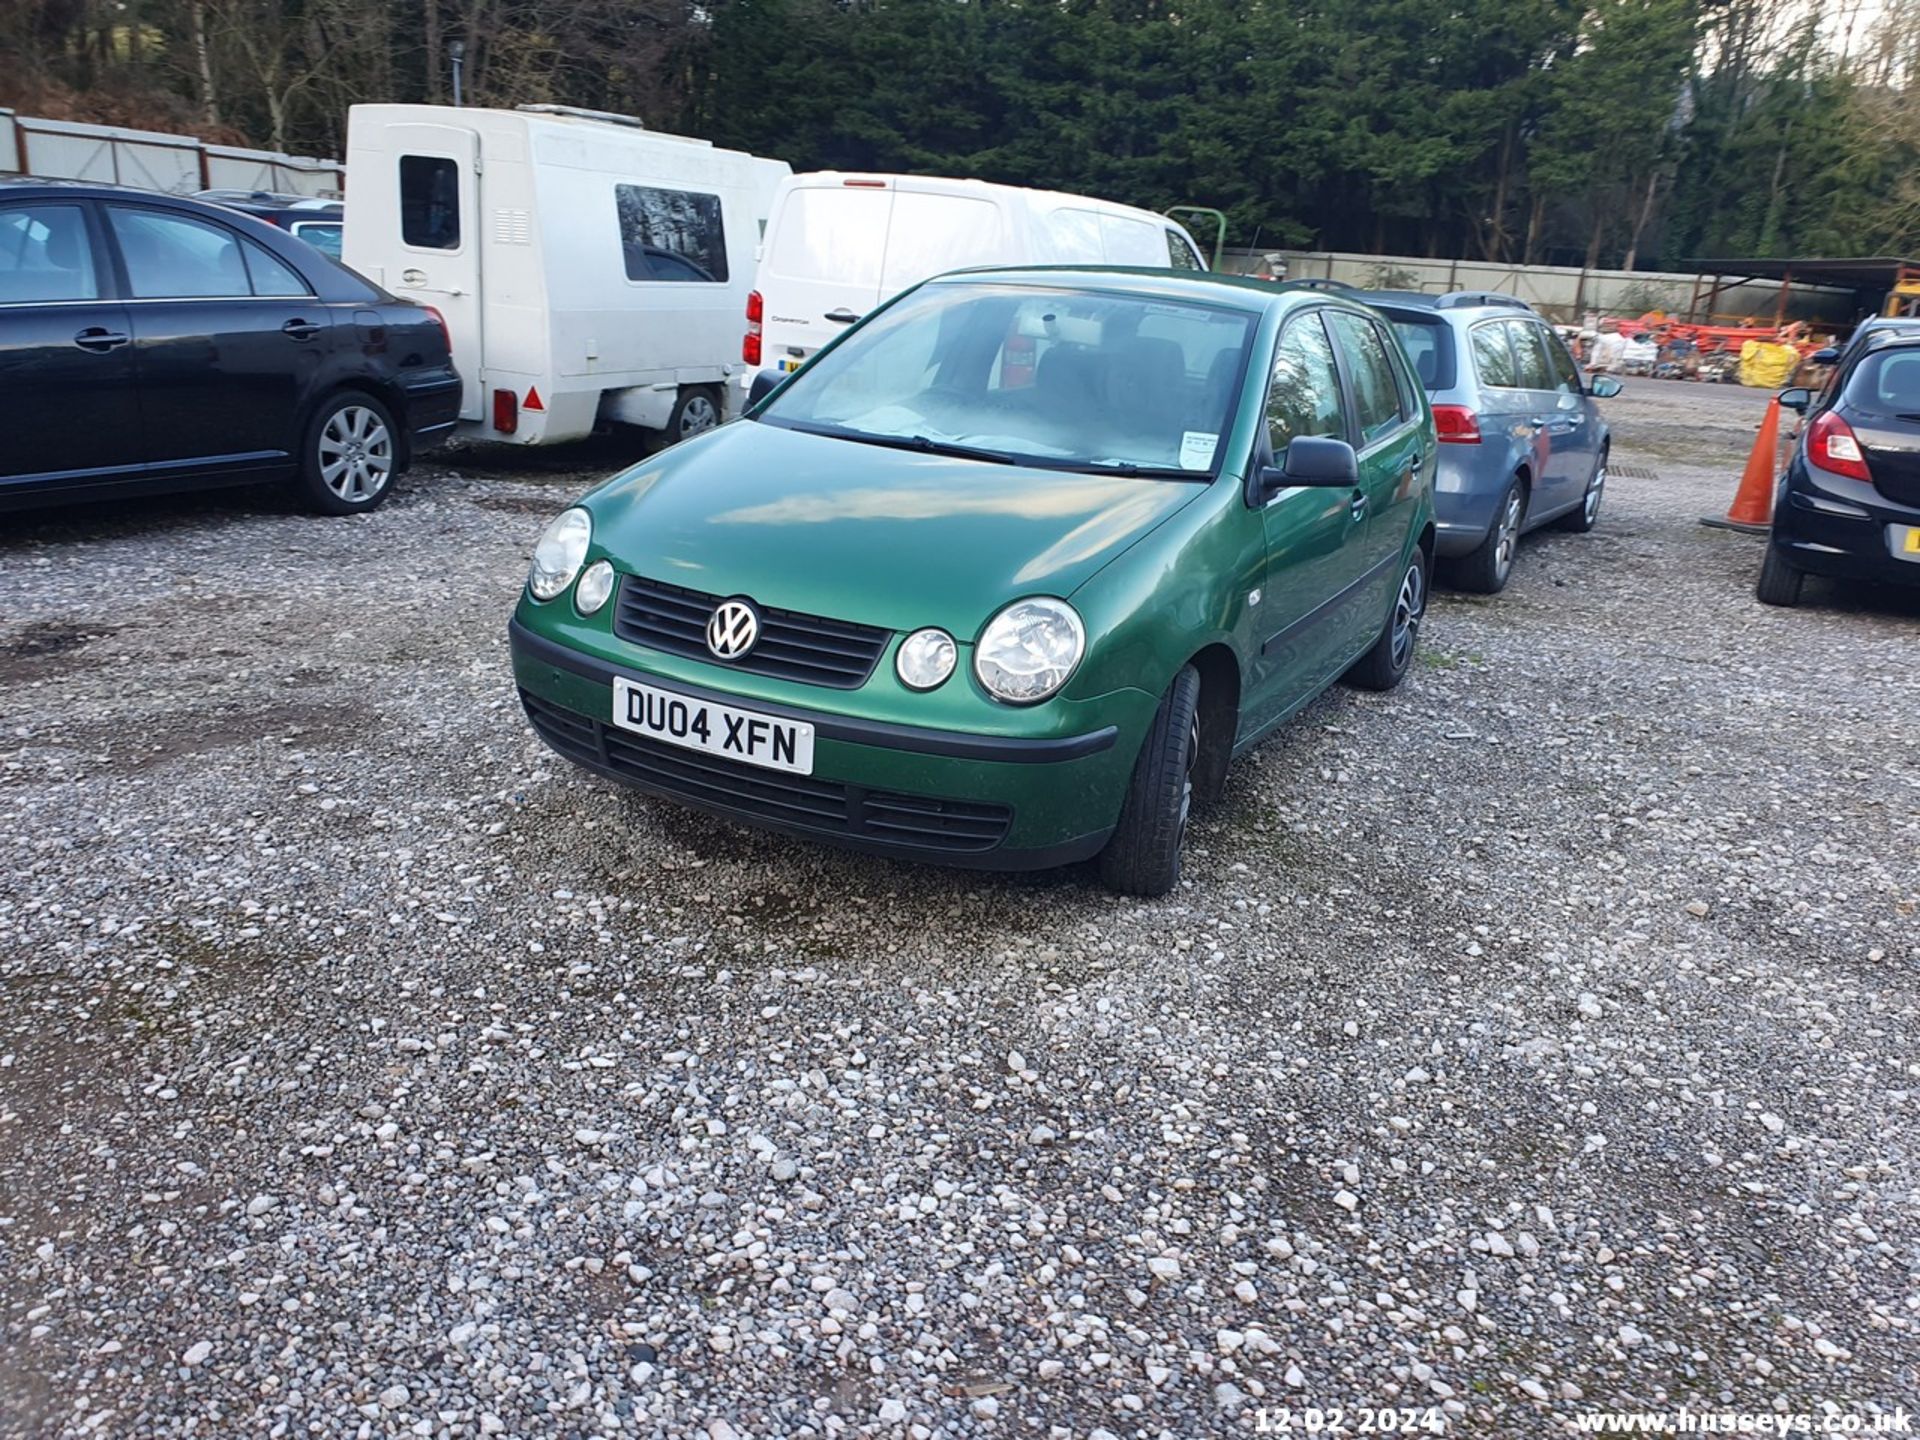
<point>1521,442</point>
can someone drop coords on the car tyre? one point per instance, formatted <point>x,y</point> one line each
<point>1387,663</point>
<point>1583,517</point>
<point>1143,855</point>
<point>1486,568</point>
<point>1779,583</point>
<point>350,454</point>
<point>694,413</point>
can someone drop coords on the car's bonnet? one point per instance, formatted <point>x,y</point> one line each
<point>869,534</point>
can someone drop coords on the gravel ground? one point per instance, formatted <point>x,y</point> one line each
<point>1534,1040</point>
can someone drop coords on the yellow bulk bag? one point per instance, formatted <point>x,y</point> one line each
<point>1765,366</point>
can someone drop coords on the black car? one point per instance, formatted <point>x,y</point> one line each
<point>321,223</point>
<point>152,342</point>
<point>1849,505</point>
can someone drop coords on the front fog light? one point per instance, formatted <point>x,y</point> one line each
<point>926,659</point>
<point>596,584</point>
<point>562,548</point>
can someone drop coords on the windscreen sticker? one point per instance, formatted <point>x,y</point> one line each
<point>1196,449</point>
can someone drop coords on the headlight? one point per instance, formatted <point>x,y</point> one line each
<point>596,584</point>
<point>1029,649</point>
<point>556,559</point>
<point>926,659</point>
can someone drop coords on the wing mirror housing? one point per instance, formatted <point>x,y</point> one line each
<point>765,382</point>
<point>1798,399</point>
<point>1604,387</point>
<point>1311,460</point>
<point>1825,356</point>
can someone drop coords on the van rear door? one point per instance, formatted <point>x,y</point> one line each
<point>436,168</point>
<point>826,249</point>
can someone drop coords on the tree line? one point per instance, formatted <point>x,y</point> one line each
<point>1596,132</point>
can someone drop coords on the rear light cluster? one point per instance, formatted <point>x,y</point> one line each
<point>1456,425</point>
<point>506,411</point>
<point>441,321</point>
<point>1832,445</point>
<point>750,347</point>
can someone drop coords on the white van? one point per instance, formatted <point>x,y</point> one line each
<point>589,270</point>
<point>839,244</point>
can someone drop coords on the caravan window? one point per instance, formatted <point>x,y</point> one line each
<point>671,234</point>
<point>430,202</point>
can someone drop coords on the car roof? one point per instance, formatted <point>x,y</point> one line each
<point>1475,300</point>
<point>1207,286</point>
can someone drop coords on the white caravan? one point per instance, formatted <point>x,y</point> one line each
<point>589,269</point>
<point>839,244</point>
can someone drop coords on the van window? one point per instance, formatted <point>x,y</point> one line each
<point>671,234</point>
<point>430,202</point>
<point>838,235</point>
<point>1076,237</point>
<point>45,255</point>
<point>1180,254</point>
<point>1132,242</point>
<point>931,234</point>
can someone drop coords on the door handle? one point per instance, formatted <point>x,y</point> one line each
<point>300,329</point>
<point>1359,505</point>
<point>99,340</point>
<point>842,316</point>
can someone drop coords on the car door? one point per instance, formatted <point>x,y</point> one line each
<point>1392,448</point>
<point>1576,447</point>
<point>1555,420</point>
<point>228,340</point>
<point>1314,549</point>
<point>66,362</point>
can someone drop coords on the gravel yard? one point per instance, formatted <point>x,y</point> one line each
<point>1535,1040</point>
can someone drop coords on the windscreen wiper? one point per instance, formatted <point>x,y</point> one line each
<point>1131,470</point>
<point>921,443</point>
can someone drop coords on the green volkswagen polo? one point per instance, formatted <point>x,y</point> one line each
<point>1005,576</point>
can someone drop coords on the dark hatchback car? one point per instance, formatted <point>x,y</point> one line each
<point>1849,504</point>
<point>151,342</point>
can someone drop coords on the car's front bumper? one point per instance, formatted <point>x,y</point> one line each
<point>954,798</point>
<point>1831,525</point>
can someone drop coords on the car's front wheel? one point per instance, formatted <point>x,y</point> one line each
<point>1583,519</point>
<point>1779,582</point>
<point>1387,663</point>
<point>350,454</point>
<point>1143,855</point>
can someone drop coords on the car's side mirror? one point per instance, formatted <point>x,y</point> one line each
<point>765,382</point>
<point>1825,356</point>
<point>1311,460</point>
<point>1604,387</point>
<point>1798,398</point>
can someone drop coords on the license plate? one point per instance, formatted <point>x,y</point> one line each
<point>744,735</point>
<point>787,367</point>
<point>1912,543</point>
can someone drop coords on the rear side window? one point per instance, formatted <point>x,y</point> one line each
<point>430,202</point>
<point>1531,369</point>
<point>839,235</point>
<point>1180,254</point>
<point>931,234</point>
<point>1492,359</point>
<point>176,257</point>
<point>1429,345</point>
<point>1303,397</point>
<point>270,275</point>
<point>45,255</point>
<point>671,234</point>
<point>1376,398</point>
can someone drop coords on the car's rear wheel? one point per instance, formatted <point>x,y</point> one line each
<point>1143,855</point>
<point>1779,583</point>
<point>350,454</point>
<point>1387,663</point>
<point>1582,519</point>
<point>694,413</point>
<point>1488,566</point>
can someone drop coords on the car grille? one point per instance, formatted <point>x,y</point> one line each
<point>823,807</point>
<point>792,646</point>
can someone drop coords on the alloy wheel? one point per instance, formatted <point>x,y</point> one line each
<point>1408,610</point>
<point>697,416</point>
<point>1186,779</point>
<point>356,453</point>
<point>1594,488</point>
<point>1508,538</point>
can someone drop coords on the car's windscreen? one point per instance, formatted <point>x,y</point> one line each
<point>1075,379</point>
<point>1887,382</point>
<point>1429,345</point>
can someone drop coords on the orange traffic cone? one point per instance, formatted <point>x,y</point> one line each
<point>1752,508</point>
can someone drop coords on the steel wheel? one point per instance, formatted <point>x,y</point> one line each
<point>697,415</point>
<point>1408,610</point>
<point>1507,535</point>
<point>356,454</point>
